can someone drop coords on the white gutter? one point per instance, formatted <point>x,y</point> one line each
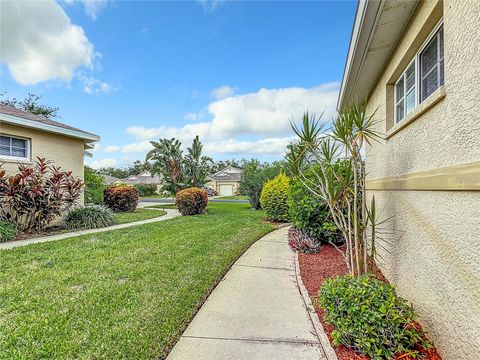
<point>48,128</point>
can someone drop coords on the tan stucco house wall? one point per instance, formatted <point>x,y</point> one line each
<point>64,145</point>
<point>425,175</point>
<point>227,179</point>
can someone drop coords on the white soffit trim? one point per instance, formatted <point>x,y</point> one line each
<point>48,128</point>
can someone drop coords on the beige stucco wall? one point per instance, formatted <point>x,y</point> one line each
<point>434,253</point>
<point>66,152</point>
<point>215,185</point>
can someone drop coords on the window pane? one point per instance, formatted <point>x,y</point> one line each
<point>428,57</point>
<point>442,80</point>
<point>400,111</point>
<point>410,101</point>
<point>440,34</point>
<point>399,89</point>
<point>19,143</point>
<point>410,75</point>
<point>4,141</point>
<point>429,84</point>
<point>5,150</point>
<point>19,152</point>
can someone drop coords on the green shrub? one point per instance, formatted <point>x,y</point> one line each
<point>369,317</point>
<point>92,217</point>
<point>7,231</point>
<point>308,213</point>
<point>121,198</point>
<point>146,189</point>
<point>94,186</point>
<point>191,201</point>
<point>254,177</point>
<point>274,198</point>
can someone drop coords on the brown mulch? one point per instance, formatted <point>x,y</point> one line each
<point>328,263</point>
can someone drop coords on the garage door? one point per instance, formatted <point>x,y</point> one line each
<point>226,190</point>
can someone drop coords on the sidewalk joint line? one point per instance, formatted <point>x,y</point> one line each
<point>306,342</point>
<point>264,267</point>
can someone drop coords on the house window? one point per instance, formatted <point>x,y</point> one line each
<point>13,147</point>
<point>431,65</point>
<point>423,76</point>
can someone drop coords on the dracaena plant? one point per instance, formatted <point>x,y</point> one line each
<point>38,194</point>
<point>340,188</point>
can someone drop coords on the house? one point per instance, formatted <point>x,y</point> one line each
<point>110,180</point>
<point>25,136</point>
<point>143,178</point>
<point>226,182</point>
<point>417,64</point>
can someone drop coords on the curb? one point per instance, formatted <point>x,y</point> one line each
<point>320,332</point>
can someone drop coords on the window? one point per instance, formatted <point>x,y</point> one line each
<point>14,147</point>
<point>423,76</point>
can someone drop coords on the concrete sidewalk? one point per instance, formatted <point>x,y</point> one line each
<point>257,312</point>
<point>170,213</point>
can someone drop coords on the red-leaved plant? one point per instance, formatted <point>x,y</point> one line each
<point>37,194</point>
<point>300,241</point>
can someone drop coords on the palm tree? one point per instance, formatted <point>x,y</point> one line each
<point>196,165</point>
<point>168,162</point>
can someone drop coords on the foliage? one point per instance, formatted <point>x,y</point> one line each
<point>299,240</point>
<point>30,104</point>
<point>342,188</point>
<point>191,201</point>
<point>168,162</point>
<point>37,194</point>
<point>216,166</point>
<point>369,317</point>
<point>7,231</point>
<point>196,166</point>
<point>309,213</point>
<point>134,169</point>
<point>274,197</point>
<point>92,217</point>
<point>94,186</point>
<point>120,198</point>
<point>254,176</point>
<point>146,189</point>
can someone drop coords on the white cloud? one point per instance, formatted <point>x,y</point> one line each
<point>269,146</point>
<point>92,85</point>
<point>191,116</point>
<point>112,148</point>
<point>209,5</point>
<point>222,92</point>
<point>92,7</point>
<point>39,42</point>
<point>97,164</point>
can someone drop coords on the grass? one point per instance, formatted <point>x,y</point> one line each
<point>235,197</point>
<point>163,206</point>
<point>137,215</point>
<point>126,293</point>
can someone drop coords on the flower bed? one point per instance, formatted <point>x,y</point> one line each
<point>328,263</point>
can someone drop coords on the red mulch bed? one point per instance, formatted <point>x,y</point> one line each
<point>328,263</point>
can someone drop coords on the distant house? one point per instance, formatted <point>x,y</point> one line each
<point>110,180</point>
<point>417,65</point>
<point>226,182</point>
<point>143,178</point>
<point>25,136</point>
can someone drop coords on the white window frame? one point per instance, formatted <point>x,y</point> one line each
<point>418,80</point>
<point>18,158</point>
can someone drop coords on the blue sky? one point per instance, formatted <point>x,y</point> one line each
<point>233,72</point>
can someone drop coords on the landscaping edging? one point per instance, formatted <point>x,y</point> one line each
<point>320,332</point>
<point>170,214</point>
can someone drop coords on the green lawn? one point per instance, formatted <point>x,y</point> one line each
<point>137,215</point>
<point>163,206</point>
<point>235,197</point>
<point>126,293</point>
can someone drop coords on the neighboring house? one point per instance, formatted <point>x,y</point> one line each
<point>110,180</point>
<point>143,178</point>
<point>418,66</point>
<point>25,136</point>
<point>226,182</point>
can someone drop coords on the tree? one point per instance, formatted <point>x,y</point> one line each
<point>196,166</point>
<point>30,104</point>
<point>342,189</point>
<point>168,162</point>
<point>94,186</point>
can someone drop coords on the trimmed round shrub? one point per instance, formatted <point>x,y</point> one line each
<point>146,189</point>
<point>369,317</point>
<point>274,198</point>
<point>7,231</point>
<point>308,213</point>
<point>121,198</point>
<point>191,201</point>
<point>92,217</point>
